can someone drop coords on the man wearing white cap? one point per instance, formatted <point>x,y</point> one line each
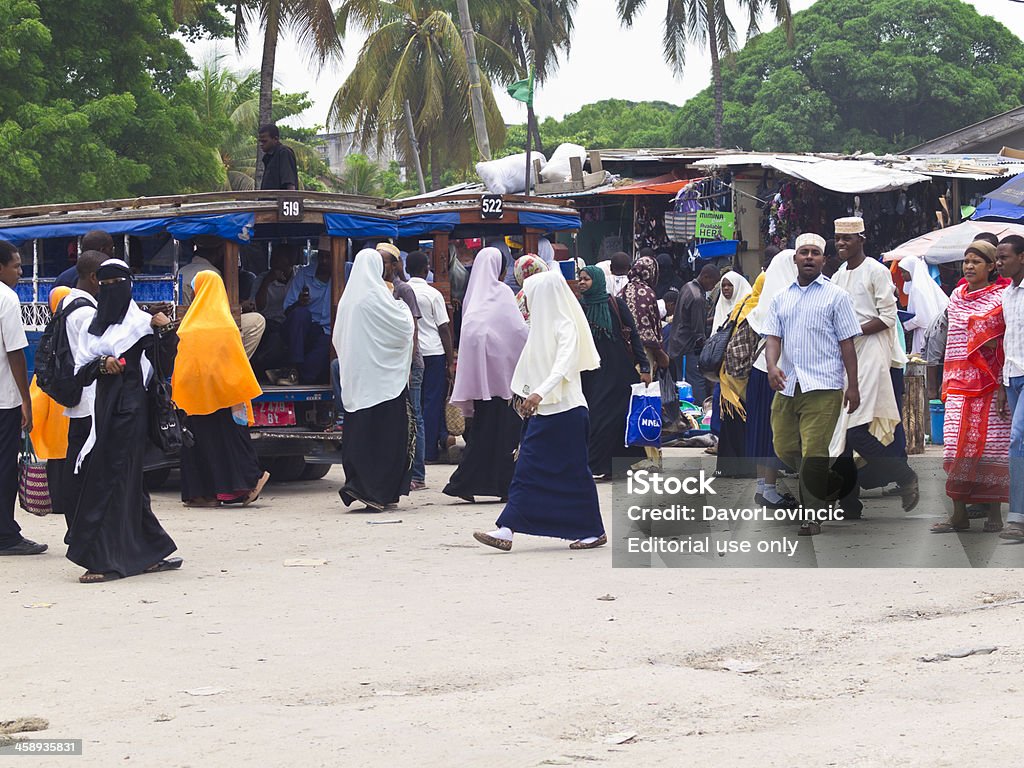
<point>874,425</point>
<point>809,336</point>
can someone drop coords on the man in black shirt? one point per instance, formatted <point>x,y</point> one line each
<point>279,169</point>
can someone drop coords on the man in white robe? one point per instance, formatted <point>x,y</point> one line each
<point>873,425</point>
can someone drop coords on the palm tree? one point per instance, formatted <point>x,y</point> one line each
<point>536,31</point>
<point>414,51</point>
<point>707,22</point>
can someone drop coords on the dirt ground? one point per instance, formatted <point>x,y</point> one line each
<point>413,645</point>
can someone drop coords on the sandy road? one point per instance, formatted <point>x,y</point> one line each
<point>414,646</point>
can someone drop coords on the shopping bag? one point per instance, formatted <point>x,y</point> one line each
<point>33,488</point>
<point>643,420</point>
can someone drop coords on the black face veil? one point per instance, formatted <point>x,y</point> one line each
<point>114,299</point>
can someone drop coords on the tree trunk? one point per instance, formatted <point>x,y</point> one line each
<point>435,167</point>
<point>716,71</point>
<point>267,74</point>
<point>476,96</point>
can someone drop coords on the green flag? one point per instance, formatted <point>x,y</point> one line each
<point>523,90</point>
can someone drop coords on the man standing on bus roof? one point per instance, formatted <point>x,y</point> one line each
<point>15,404</point>
<point>279,168</point>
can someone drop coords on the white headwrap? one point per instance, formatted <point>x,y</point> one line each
<point>557,323</point>
<point>740,290</point>
<point>778,277</point>
<point>924,297</point>
<point>372,336</point>
<point>546,251</point>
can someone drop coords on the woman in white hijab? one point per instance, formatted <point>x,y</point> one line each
<point>373,336</point>
<point>552,491</point>
<point>925,299</point>
<point>734,289</point>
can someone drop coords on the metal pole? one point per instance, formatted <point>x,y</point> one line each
<point>415,146</point>
<point>476,98</point>
<point>529,121</point>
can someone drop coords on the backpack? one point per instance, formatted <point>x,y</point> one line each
<point>55,364</point>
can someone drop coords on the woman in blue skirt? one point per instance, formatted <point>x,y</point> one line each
<point>552,492</point>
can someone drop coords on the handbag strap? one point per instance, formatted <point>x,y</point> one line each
<point>27,451</point>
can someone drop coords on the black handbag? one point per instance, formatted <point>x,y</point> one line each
<point>167,427</point>
<point>712,354</point>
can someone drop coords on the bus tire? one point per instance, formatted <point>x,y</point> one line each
<point>315,471</point>
<point>286,469</point>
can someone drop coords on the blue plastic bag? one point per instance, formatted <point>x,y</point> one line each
<point>643,421</point>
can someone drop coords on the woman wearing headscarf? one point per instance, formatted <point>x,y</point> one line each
<point>735,302</point>
<point>642,303</point>
<point>50,426</point>
<point>668,278</point>
<point>527,266</point>
<point>608,388</point>
<point>214,384</point>
<point>493,335</point>
<point>755,402</point>
<point>114,533</point>
<point>925,299</point>
<point>373,336</point>
<point>552,492</point>
<point>976,438</point>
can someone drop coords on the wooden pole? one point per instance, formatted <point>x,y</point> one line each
<point>231,278</point>
<point>339,254</point>
<point>414,145</point>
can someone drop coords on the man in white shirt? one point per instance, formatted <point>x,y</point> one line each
<point>616,272</point>
<point>15,404</point>
<point>77,324</point>
<point>209,256</point>
<point>435,339</point>
<point>1010,263</point>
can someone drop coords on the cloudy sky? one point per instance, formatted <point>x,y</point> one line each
<point>606,62</point>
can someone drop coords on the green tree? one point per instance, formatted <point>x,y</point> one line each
<point>878,76</point>
<point>87,114</point>
<point>414,52</point>
<point>707,23</point>
<point>605,124</point>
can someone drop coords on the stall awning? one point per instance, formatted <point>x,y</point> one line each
<point>659,185</point>
<point>946,245</point>
<point>549,222</point>
<point>230,226</point>
<point>848,177</point>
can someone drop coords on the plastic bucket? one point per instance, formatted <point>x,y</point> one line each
<point>938,413</point>
<point>685,391</point>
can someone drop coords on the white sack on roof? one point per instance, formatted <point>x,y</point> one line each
<point>507,175</point>
<point>557,168</point>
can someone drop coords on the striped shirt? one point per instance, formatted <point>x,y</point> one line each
<point>811,321</point>
<point>1013,340</point>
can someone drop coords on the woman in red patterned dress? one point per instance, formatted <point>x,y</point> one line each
<point>976,440</point>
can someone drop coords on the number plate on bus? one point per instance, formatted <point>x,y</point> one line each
<point>274,414</point>
<point>290,209</point>
<point>492,206</point>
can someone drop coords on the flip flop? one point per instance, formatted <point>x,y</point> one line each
<point>809,529</point>
<point>910,494</point>
<point>1013,532</point>
<point>601,541</point>
<point>100,577</point>
<point>170,564</point>
<point>503,544</point>
<point>201,503</point>
<point>949,528</point>
<point>255,493</point>
<point>992,527</point>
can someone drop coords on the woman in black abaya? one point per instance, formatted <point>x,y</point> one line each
<point>114,533</point>
<point>609,387</point>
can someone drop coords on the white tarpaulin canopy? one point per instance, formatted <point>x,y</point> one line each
<point>946,245</point>
<point>849,177</point>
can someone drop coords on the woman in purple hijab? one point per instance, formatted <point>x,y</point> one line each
<point>493,336</point>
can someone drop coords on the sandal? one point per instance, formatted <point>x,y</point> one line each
<point>485,538</point>
<point>201,502</point>
<point>1013,532</point>
<point>170,564</point>
<point>949,528</point>
<point>600,542</point>
<point>348,497</point>
<point>809,529</point>
<point>90,577</point>
<point>989,527</point>
<point>255,493</point>
<point>910,495</point>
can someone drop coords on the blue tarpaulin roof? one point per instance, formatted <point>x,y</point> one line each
<point>997,210</point>
<point>356,226</point>
<point>411,226</point>
<point>230,226</point>
<point>549,222</point>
